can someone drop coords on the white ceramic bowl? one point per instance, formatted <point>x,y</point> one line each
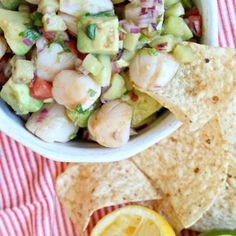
<point>87,152</point>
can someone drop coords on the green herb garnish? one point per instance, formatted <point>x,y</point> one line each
<point>103,13</point>
<point>91,31</point>
<point>92,92</point>
<point>30,34</point>
<point>37,19</point>
<point>79,108</point>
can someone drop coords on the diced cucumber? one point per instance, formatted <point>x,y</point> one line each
<point>183,54</point>
<point>104,77</point>
<point>176,26</point>
<point>165,43</point>
<point>131,41</point>
<point>128,55</point>
<point>168,3</point>
<point>117,88</point>
<point>187,4</point>
<point>122,63</point>
<point>92,65</point>
<point>175,10</point>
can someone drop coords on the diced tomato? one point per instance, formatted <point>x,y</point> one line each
<point>41,89</point>
<point>73,47</point>
<point>191,12</point>
<point>195,24</point>
<point>133,96</point>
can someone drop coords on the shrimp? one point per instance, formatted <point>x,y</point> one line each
<point>51,60</point>
<point>110,125</point>
<point>71,89</point>
<point>51,124</point>
<point>149,72</point>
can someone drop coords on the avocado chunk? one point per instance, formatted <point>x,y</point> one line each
<point>18,97</point>
<point>143,106</point>
<point>79,116</point>
<point>13,23</point>
<point>98,34</point>
<point>22,71</point>
<point>10,4</point>
<point>117,88</point>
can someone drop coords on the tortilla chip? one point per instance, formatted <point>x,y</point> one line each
<point>227,119</point>
<point>83,189</point>
<point>223,213</point>
<point>189,168</point>
<point>201,87</point>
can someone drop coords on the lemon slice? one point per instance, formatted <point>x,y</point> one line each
<point>133,221</point>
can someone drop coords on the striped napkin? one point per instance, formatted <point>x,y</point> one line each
<point>28,202</point>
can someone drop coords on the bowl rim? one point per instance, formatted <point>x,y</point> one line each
<point>167,123</point>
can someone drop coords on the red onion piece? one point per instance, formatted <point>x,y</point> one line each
<point>27,42</point>
<point>162,46</point>
<point>42,115</point>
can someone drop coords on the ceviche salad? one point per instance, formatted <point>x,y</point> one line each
<point>78,69</point>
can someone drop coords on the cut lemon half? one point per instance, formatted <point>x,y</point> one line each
<point>133,221</point>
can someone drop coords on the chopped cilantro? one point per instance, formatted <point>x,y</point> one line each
<point>104,13</point>
<point>30,34</point>
<point>92,92</point>
<point>79,108</point>
<point>37,19</point>
<point>91,31</point>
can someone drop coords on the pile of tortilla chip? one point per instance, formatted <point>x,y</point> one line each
<point>190,177</point>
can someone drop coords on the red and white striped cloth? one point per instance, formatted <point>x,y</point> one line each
<point>28,202</point>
